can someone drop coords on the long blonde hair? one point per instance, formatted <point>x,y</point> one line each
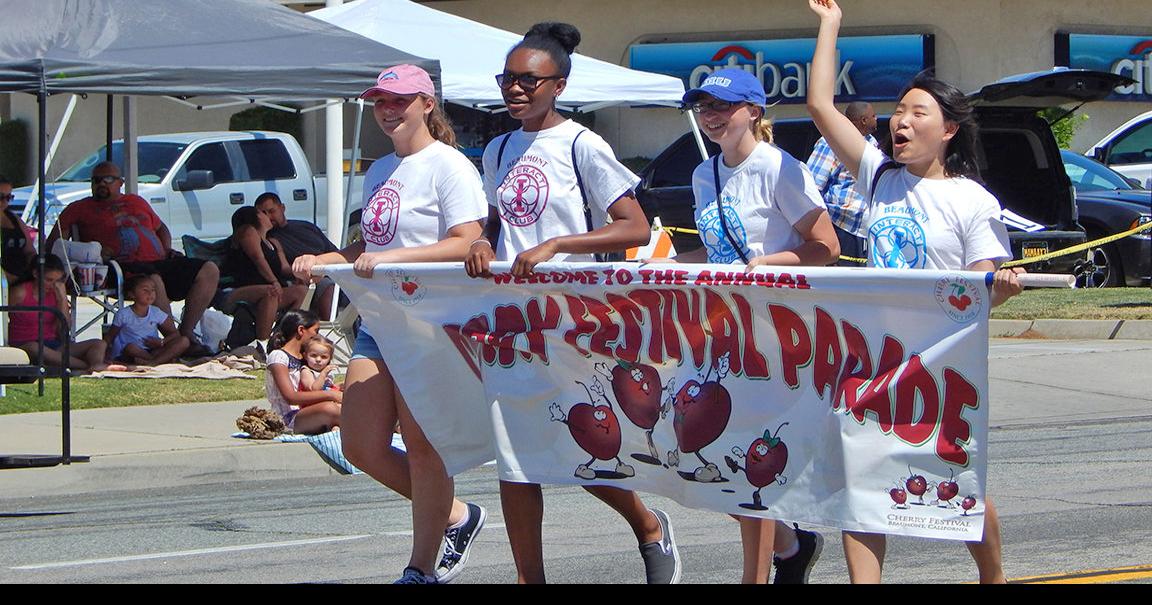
<point>439,125</point>
<point>762,128</point>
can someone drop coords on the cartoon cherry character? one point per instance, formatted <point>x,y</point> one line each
<point>595,429</point>
<point>946,490</point>
<point>638,392</point>
<point>917,486</point>
<point>702,410</point>
<point>899,496</point>
<point>764,463</point>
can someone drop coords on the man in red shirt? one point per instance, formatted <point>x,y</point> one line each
<point>130,232</point>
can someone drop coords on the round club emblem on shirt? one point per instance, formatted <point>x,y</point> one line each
<point>720,249</point>
<point>381,214</point>
<point>523,195</point>
<point>961,299</point>
<point>898,242</point>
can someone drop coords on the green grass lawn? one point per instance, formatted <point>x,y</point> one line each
<point>1100,303</point>
<point>87,393</point>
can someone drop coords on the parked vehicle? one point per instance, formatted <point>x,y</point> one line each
<point>196,180</point>
<point>1020,163</point>
<point>1128,149</point>
<point>1108,203</point>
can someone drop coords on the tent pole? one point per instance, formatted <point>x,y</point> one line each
<point>64,121</point>
<point>696,133</point>
<point>355,154</point>
<point>109,133</point>
<point>131,160</point>
<point>334,161</point>
<point>41,207</point>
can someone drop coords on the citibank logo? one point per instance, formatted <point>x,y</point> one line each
<point>1138,67</point>
<point>787,80</point>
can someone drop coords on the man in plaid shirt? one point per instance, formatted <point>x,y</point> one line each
<point>845,206</point>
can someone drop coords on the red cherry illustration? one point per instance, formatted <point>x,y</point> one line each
<point>946,490</point>
<point>595,429</point>
<point>409,287</point>
<point>767,457</point>
<point>968,503</point>
<point>898,495</point>
<point>701,414</point>
<point>637,389</point>
<point>917,485</point>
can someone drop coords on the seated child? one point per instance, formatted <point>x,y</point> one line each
<point>23,325</point>
<point>316,373</point>
<point>305,412</point>
<point>141,333</point>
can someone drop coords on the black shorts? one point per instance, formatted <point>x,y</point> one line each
<point>177,272</point>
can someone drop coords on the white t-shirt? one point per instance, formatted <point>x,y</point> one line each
<point>915,223</point>
<point>134,329</point>
<point>763,197</point>
<point>535,189</point>
<point>415,200</point>
<point>280,405</point>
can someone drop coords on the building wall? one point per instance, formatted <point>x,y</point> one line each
<point>977,41</point>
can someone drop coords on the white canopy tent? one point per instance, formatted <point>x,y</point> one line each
<point>471,54</point>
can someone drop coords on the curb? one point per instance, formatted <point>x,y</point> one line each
<point>1072,329</point>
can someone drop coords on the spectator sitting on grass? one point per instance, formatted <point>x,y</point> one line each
<point>316,375</point>
<point>23,326</point>
<point>142,333</point>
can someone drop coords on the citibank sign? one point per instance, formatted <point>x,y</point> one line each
<point>1125,55</point>
<point>870,68</point>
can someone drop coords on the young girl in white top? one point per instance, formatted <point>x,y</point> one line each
<point>756,205</point>
<point>423,203</point>
<point>305,412</point>
<point>142,333</point>
<point>537,179</point>
<point>926,212</point>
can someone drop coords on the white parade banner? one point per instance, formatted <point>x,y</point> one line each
<point>844,397</point>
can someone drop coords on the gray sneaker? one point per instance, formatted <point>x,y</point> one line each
<point>795,569</point>
<point>661,559</point>
<point>458,542</point>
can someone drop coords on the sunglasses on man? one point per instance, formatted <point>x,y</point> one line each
<point>106,180</point>
<point>6,197</point>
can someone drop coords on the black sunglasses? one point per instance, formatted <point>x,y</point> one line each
<point>527,82</point>
<point>717,106</point>
<point>6,197</point>
<point>106,180</point>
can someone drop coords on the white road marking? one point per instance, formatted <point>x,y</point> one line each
<point>409,532</point>
<point>192,553</point>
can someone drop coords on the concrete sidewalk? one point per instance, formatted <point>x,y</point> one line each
<point>150,446</point>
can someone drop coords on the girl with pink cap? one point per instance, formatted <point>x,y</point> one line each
<point>423,203</point>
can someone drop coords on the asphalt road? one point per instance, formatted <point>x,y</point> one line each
<point>1071,445</point>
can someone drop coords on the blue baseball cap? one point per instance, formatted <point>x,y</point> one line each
<point>732,84</point>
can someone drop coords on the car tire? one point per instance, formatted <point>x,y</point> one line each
<point>1109,272</point>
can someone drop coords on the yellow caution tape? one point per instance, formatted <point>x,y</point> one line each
<point>1078,247</point>
<point>1025,261</point>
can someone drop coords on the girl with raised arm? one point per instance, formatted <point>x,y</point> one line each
<point>923,210</point>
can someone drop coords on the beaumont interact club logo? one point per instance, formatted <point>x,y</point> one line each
<point>523,195</point>
<point>406,289</point>
<point>381,214</point>
<point>961,300</point>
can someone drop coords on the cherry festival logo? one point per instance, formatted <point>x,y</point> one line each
<point>406,289</point>
<point>961,300</point>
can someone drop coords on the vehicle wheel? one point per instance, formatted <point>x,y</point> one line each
<point>1108,272</point>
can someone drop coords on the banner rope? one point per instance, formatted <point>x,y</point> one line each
<point>1015,263</point>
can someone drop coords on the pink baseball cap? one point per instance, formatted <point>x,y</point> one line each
<point>402,80</point>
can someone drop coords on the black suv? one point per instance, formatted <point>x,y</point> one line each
<point>1020,162</point>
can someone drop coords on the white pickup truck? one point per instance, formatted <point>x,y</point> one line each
<point>196,180</point>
